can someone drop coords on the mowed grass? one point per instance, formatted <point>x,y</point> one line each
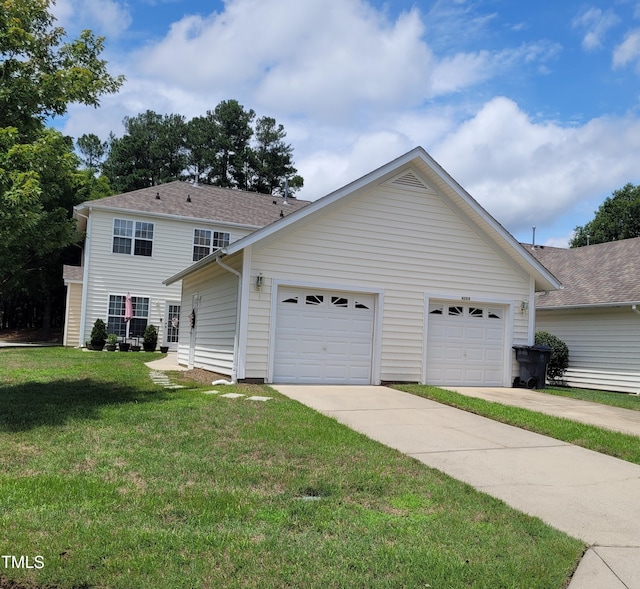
<point>619,445</point>
<point>118,483</point>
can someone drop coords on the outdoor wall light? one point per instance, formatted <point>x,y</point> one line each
<point>524,305</point>
<point>259,279</point>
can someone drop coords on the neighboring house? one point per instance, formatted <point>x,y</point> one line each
<point>135,240</point>
<point>398,276</point>
<point>597,314</point>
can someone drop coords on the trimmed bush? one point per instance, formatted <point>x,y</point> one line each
<point>559,356</point>
<point>150,338</point>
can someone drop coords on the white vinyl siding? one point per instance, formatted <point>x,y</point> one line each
<point>216,293</point>
<point>604,346</point>
<point>404,242</point>
<point>110,273</point>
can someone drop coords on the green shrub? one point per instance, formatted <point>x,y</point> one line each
<point>99,331</point>
<point>150,338</point>
<point>559,355</point>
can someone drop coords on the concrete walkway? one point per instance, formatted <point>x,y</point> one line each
<point>590,496</point>
<point>166,363</point>
<point>604,416</point>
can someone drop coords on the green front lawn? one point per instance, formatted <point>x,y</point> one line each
<point>116,482</point>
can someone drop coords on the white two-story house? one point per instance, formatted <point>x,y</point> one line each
<point>136,239</point>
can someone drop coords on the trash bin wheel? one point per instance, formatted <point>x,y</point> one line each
<point>532,383</point>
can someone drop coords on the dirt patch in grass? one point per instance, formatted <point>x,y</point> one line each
<point>206,377</point>
<point>31,336</point>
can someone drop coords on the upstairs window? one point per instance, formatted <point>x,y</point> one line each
<point>206,241</point>
<point>132,237</point>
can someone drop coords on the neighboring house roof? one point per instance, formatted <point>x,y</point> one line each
<point>200,201</point>
<point>399,171</point>
<point>72,273</point>
<point>604,274</point>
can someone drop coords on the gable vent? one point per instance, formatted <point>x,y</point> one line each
<point>409,180</point>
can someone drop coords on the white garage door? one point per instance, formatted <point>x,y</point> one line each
<point>323,337</point>
<point>465,344</point>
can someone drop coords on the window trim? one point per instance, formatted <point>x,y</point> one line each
<point>134,238</point>
<point>217,239</point>
<point>136,308</point>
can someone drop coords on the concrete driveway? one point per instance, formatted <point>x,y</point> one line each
<point>590,496</point>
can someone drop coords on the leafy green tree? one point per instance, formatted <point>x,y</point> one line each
<point>617,218</point>
<point>92,150</point>
<point>220,148</point>
<point>40,75</point>
<point>231,144</point>
<point>272,159</point>
<point>39,182</point>
<point>151,152</point>
<point>201,146</point>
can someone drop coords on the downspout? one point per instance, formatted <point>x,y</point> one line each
<point>85,278</point>
<point>635,309</point>
<point>236,347</point>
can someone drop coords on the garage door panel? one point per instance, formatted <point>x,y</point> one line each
<point>493,375</point>
<point>289,321</point>
<point>454,353</point>
<point>359,350</point>
<point>465,344</point>
<point>288,345</point>
<point>329,341</point>
<point>475,333</point>
<point>475,354</point>
<point>494,355</point>
<point>453,332</point>
<point>452,374</point>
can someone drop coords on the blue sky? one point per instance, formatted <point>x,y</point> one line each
<point>534,108</point>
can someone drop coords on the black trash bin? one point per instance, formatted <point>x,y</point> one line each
<point>533,366</point>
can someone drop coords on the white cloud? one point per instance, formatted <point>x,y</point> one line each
<point>329,59</point>
<point>355,88</point>
<point>596,23</point>
<point>628,50</point>
<point>326,170</point>
<point>321,56</point>
<point>562,241</point>
<point>528,173</point>
<point>108,18</point>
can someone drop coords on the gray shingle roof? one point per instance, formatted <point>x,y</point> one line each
<point>601,274</point>
<point>73,273</point>
<point>202,201</point>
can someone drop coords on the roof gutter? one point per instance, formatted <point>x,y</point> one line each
<point>633,305</point>
<point>219,253</point>
<point>236,346</point>
<point>185,218</point>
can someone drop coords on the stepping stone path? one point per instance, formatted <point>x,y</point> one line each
<point>162,379</point>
